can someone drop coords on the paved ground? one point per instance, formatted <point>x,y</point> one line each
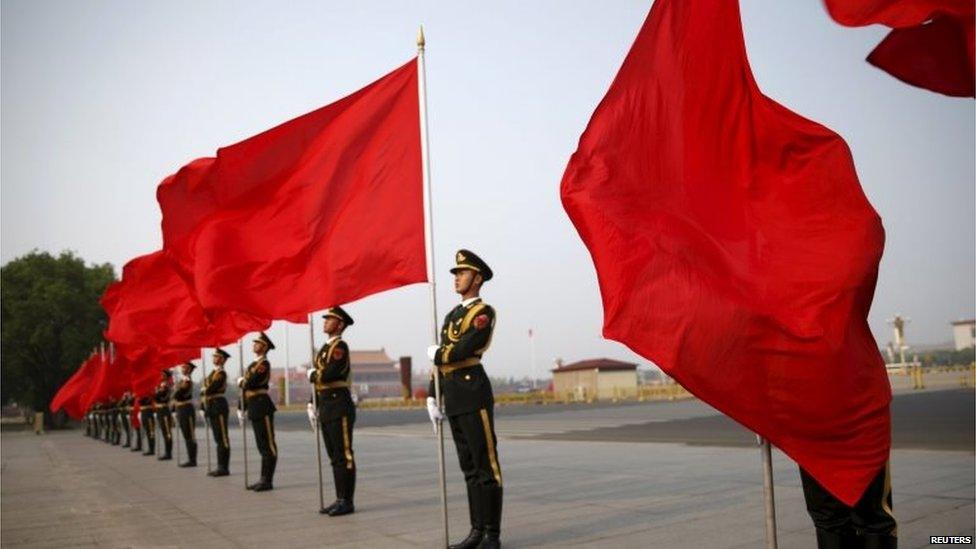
<point>65,490</point>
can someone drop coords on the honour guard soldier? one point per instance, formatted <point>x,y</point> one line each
<point>115,433</point>
<point>260,410</point>
<point>163,413</point>
<point>183,402</point>
<point>332,377</point>
<point>215,407</point>
<point>468,399</point>
<point>870,524</point>
<point>125,413</point>
<point>136,423</point>
<point>148,421</point>
<point>90,428</point>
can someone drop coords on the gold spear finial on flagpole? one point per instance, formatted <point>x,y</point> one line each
<point>420,38</point>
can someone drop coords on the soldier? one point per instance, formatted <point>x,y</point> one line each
<point>260,410</point>
<point>92,421</point>
<point>468,399</point>
<point>164,390</point>
<point>115,433</point>
<point>148,421</point>
<point>869,524</point>
<point>215,407</point>
<point>136,423</point>
<point>183,402</point>
<point>336,411</point>
<point>125,412</point>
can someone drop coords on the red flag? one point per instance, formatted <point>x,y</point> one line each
<point>154,306</point>
<point>147,362</point>
<point>72,395</point>
<point>326,208</point>
<point>734,246</point>
<point>932,46</point>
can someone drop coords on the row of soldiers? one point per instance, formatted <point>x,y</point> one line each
<point>468,405</point>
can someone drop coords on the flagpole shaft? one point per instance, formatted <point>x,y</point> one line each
<point>769,500</point>
<point>287,368</point>
<point>240,367</point>
<point>431,275</point>
<point>315,402</point>
<point>179,427</point>
<point>206,417</point>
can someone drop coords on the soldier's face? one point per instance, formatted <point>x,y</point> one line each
<point>332,325</point>
<point>259,348</point>
<point>218,360</point>
<point>463,280</point>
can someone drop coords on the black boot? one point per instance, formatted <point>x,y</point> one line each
<point>347,489</point>
<point>150,446</point>
<point>223,460</point>
<point>168,450</point>
<point>477,520</point>
<point>191,454</point>
<point>337,480</point>
<point>138,445</point>
<point>879,541</point>
<point>267,475</point>
<point>492,501</point>
<point>827,539</point>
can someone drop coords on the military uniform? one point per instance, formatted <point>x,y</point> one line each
<point>185,416</point>
<point>164,415</point>
<point>135,423</point>
<point>332,378</point>
<point>215,407</point>
<point>125,412</point>
<point>147,420</point>
<point>469,406</point>
<point>260,412</point>
<point>89,430</point>
<point>870,524</point>
<point>115,432</point>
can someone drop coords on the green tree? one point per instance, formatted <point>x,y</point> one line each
<point>50,321</point>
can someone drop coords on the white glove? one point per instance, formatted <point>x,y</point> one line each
<point>436,417</point>
<point>432,351</point>
<point>312,416</point>
<point>240,382</point>
<point>203,416</point>
<point>309,373</point>
<point>240,418</point>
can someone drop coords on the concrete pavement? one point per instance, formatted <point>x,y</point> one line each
<point>66,490</point>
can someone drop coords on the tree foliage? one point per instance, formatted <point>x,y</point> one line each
<point>50,321</point>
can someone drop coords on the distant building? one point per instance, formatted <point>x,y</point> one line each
<point>964,333</point>
<point>596,379</point>
<point>374,374</point>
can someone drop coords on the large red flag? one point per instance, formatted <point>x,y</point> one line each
<point>734,246</point>
<point>147,362</point>
<point>326,208</point>
<point>154,306</point>
<point>931,46</point>
<point>72,395</point>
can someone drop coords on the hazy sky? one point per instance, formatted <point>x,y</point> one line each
<point>102,100</point>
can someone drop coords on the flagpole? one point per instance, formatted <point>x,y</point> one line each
<point>287,367</point>
<point>769,500</point>
<point>315,403</point>
<point>203,401</point>
<point>428,210</point>
<point>173,420</point>
<point>243,410</point>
